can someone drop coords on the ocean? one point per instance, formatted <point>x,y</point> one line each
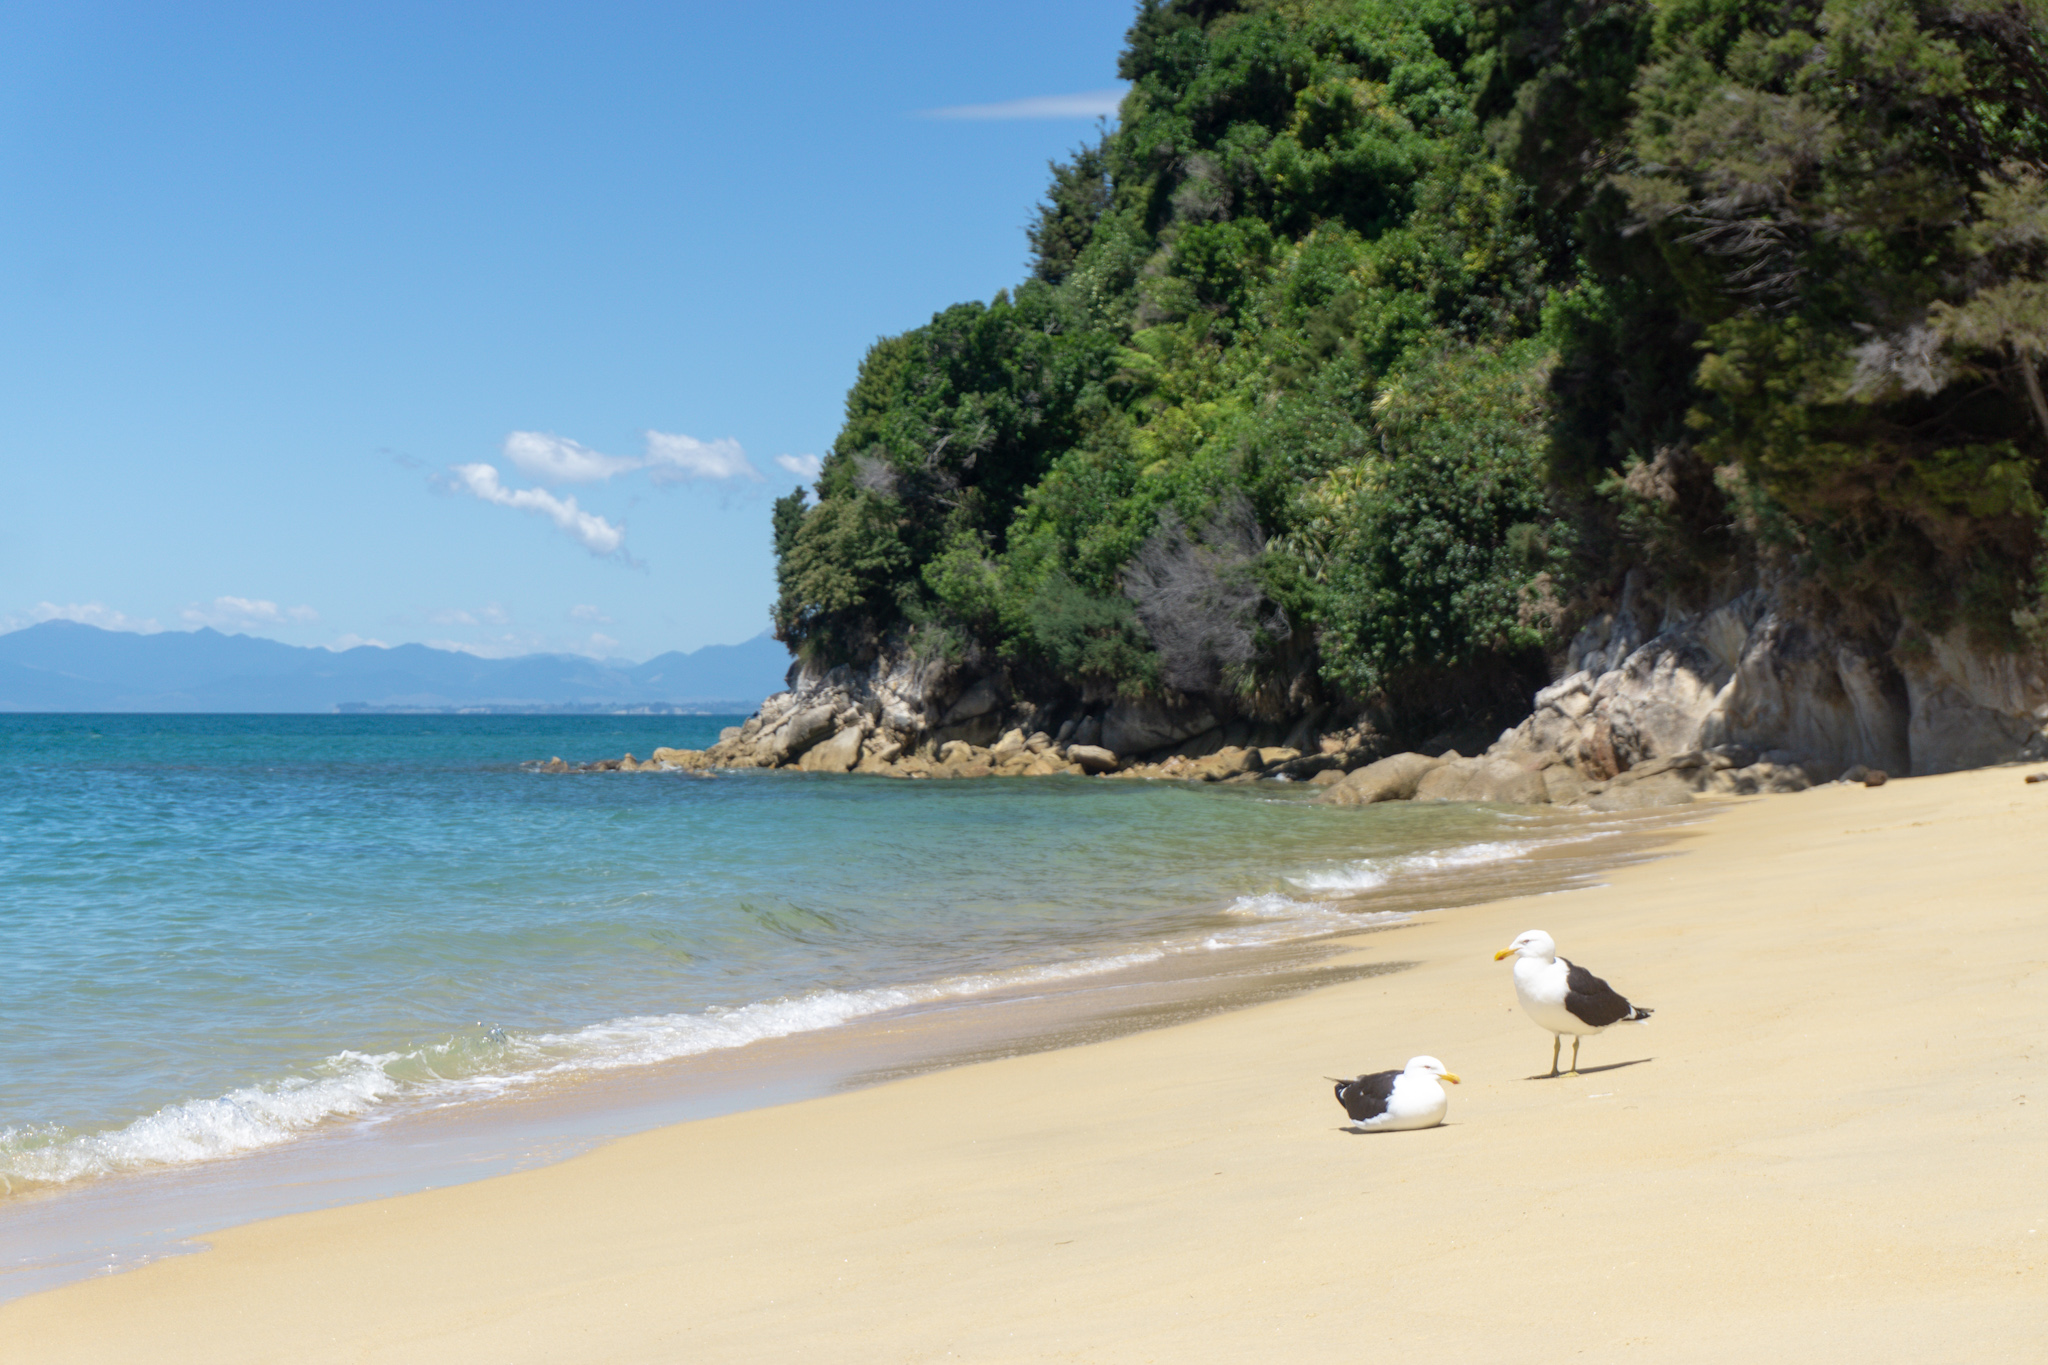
<point>224,938</point>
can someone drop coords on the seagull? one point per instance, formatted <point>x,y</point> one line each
<point>1562,996</point>
<point>1409,1098</point>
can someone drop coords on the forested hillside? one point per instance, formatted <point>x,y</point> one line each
<point>1382,337</point>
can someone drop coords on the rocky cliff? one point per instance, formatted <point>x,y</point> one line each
<point>1652,703</point>
<point>1642,682</point>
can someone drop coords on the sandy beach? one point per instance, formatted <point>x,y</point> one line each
<point>1828,1145</point>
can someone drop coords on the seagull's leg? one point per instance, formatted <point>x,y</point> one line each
<point>1556,1042</point>
<point>1576,1040</point>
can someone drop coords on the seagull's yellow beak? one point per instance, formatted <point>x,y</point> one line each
<point>1505,952</point>
<point>1451,1076</point>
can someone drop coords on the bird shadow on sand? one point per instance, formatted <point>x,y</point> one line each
<point>1589,1070</point>
<point>1348,1131</point>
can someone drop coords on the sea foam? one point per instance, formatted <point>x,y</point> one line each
<point>354,1086</point>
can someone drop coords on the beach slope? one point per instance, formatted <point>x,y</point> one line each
<point>1828,1145</point>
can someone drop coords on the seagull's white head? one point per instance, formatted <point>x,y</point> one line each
<point>1533,944</point>
<point>1430,1066</point>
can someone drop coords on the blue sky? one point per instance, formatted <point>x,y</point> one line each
<point>491,326</point>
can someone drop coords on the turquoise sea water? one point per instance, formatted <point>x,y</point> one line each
<point>223,934</point>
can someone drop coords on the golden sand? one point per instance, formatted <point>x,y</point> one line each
<point>1828,1145</point>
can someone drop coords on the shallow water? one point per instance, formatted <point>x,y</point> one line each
<point>223,936</point>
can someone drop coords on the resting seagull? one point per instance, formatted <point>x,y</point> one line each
<point>1409,1098</point>
<point>1562,996</point>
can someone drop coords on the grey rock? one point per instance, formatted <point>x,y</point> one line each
<point>788,741</point>
<point>1665,789</point>
<point>1226,764</point>
<point>1092,758</point>
<point>1563,784</point>
<point>1759,672</point>
<point>835,755</point>
<point>1732,755</point>
<point>978,700</point>
<point>1393,778</point>
<point>1495,780</point>
<point>1139,727</point>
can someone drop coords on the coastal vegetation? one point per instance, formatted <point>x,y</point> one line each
<point>1380,339</point>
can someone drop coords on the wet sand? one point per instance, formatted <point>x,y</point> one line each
<point>1828,1145</point>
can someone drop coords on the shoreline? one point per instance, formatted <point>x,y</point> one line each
<point>1770,1167</point>
<point>55,1234</point>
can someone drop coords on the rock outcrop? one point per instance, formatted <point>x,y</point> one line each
<point>906,716</point>
<point>1753,671</point>
<point>1393,778</point>
<point>1653,707</point>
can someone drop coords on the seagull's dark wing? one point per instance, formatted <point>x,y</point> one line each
<point>1366,1097</point>
<point>1593,1001</point>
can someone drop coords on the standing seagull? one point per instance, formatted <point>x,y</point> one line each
<point>1409,1098</point>
<point>1562,996</point>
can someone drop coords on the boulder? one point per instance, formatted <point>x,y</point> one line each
<point>1563,784</point>
<point>1091,758</point>
<point>1011,742</point>
<point>1226,764</point>
<point>1665,789</point>
<point>1136,727</point>
<point>788,741</point>
<point>1500,781</point>
<point>978,700</point>
<point>835,755</point>
<point>554,765</point>
<point>1390,779</point>
<point>1328,777</point>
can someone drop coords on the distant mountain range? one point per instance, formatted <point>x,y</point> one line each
<point>65,666</point>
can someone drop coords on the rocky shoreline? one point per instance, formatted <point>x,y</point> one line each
<point>1507,778</point>
<point>1652,706</point>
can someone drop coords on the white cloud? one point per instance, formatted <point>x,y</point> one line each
<point>247,613</point>
<point>590,530</point>
<point>588,613</point>
<point>1088,104</point>
<point>803,466</point>
<point>86,614</point>
<point>493,615</point>
<point>351,641</point>
<point>547,458</point>
<point>671,458</point>
<point>601,646</point>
